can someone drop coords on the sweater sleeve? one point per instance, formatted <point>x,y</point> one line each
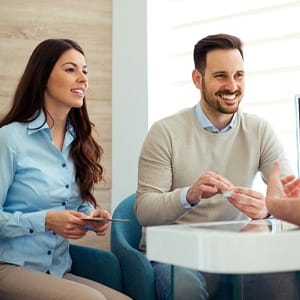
<point>156,204</point>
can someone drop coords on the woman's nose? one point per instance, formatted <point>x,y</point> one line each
<point>82,77</point>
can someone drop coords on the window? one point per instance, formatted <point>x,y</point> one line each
<point>271,34</point>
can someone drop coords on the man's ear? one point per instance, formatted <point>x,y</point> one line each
<point>197,78</point>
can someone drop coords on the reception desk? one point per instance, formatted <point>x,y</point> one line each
<point>235,247</point>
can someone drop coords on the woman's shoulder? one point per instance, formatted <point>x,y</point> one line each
<point>12,130</point>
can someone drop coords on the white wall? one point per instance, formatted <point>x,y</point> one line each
<point>129,93</point>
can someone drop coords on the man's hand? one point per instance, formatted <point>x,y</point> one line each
<point>250,202</point>
<point>208,185</point>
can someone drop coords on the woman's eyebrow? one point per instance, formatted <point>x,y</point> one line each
<point>74,64</point>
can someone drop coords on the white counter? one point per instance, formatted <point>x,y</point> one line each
<point>237,247</point>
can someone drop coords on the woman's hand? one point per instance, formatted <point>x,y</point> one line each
<point>100,227</point>
<point>67,223</point>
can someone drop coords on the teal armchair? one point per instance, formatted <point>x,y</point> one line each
<point>96,264</point>
<point>137,272</point>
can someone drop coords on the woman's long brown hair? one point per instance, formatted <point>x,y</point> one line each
<point>28,102</point>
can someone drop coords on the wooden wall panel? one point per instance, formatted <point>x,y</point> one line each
<point>23,24</point>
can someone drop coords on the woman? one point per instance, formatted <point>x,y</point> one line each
<point>282,198</point>
<point>49,164</point>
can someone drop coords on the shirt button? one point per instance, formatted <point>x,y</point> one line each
<point>66,186</point>
<point>49,252</point>
<point>63,203</point>
<point>31,230</point>
<point>63,165</point>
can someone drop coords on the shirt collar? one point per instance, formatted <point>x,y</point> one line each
<point>70,129</point>
<point>40,123</point>
<point>207,125</point>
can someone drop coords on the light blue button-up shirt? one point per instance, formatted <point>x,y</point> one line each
<point>35,177</point>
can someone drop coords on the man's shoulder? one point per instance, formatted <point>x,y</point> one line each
<point>176,124</point>
<point>183,116</point>
<point>253,119</point>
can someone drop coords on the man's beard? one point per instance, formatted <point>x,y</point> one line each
<point>213,100</point>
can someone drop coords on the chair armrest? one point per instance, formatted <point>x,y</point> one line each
<point>96,264</point>
<point>137,272</point>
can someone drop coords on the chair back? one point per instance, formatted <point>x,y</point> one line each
<point>128,232</point>
<point>96,264</point>
<point>137,272</point>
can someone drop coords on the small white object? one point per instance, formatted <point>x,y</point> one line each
<point>227,194</point>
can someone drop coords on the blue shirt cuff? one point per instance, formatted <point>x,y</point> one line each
<point>183,198</point>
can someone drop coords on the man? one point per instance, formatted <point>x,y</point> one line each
<point>189,159</point>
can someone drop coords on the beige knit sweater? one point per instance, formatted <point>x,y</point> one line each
<point>177,151</point>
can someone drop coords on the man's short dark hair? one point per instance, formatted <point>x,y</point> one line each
<point>212,42</point>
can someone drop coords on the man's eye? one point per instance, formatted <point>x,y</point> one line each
<point>85,72</point>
